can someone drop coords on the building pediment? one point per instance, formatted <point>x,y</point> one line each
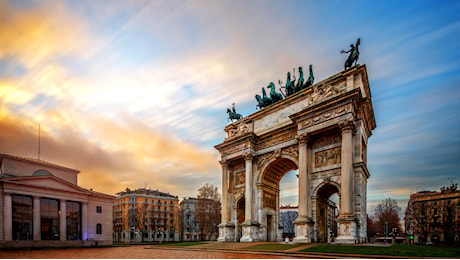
<point>46,182</point>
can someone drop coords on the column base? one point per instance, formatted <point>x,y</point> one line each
<point>250,232</point>
<point>226,232</point>
<point>347,230</point>
<point>303,230</point>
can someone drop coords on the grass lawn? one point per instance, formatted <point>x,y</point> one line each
<point>393,250</point>
<point>183,244</point>
<point>277,247</point>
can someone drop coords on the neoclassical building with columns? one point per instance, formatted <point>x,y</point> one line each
<point>322,131</point>
<point>43,206</point>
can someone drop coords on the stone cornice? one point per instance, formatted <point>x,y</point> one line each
<point>247,137</point>
<point>362,166</point>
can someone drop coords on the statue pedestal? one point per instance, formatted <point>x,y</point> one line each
<point>303,230</point>
<point>226,232</point>
<point>250,232</point>
<point>347,230</point>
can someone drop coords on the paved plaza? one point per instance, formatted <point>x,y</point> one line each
<point>138,252</point>
<point>204,251</point>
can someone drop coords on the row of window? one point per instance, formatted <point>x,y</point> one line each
<point>134,200</point>
<point>50,212</point>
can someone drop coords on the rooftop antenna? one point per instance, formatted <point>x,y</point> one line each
<point>451,181</point>
<point>38,141</point>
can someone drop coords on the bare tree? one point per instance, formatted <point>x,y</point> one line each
<point>208,209</point>
<point>372,229</point>
<point>387,214</point>
<point>139,218</point>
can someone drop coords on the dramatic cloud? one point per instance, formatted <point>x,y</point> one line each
<point>134,93</point>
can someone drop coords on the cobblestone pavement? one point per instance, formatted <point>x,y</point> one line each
<point>133,252</point>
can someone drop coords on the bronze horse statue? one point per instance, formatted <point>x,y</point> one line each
<point>354,54</point>
<point>233,115</point>
<point>275,97</point>
<point>263,101</point>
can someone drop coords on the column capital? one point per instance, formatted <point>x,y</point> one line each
<point>303,138</point>
<point>224,163</point>
<point>347,125</point>
<point>249,155</point>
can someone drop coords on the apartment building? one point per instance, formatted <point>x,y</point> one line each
<point>433,216</point>
<point>145,215</point>
<point>190,226</point>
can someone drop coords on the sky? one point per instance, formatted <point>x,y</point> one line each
<point>134,93</point>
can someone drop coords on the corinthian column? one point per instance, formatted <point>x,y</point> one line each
<point>226,229</point>
<point>248,157</point>
<point>346,198</point>
<point>303,223</point>
<point>347,231</point>
<point>250,227</point>
<point>304,186</point>
<point>225,183</point>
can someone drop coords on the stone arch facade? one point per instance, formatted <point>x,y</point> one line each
<point>322,131</point>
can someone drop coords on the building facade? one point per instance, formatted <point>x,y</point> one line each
<point>145,215</point>
<point>433,217</point>
<point>190,226</point>
<point>43,206</point>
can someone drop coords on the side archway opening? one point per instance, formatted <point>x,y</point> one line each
<point>273,217</point>
<point>326,211</point>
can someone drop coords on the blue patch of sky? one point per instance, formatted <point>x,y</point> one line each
<point>10,69</point>
<point>289,188</point>
<point>137,47</point>
<point>43,101</point>
<point>23,3</point>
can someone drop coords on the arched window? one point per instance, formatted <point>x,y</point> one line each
<point>98,228</point>
<point>41,173</point>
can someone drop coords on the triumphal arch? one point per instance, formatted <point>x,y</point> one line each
<point>322,130</point>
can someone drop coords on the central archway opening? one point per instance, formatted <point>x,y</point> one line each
<point>289,201</point>
<point>271,215</point>
<point>326,212</point>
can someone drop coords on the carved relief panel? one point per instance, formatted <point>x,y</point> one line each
<point>235,148</point>
<point>327,157</point>
<point>327,115</point>
<point>327,151</point>
<point>269,200</point>
<point>240,177</point>
<point>271,141</point>
<point>239,129</point>
<point>327,139</point>
<point>322,92</point>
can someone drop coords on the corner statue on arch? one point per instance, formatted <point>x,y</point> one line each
<point>322,131</point>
